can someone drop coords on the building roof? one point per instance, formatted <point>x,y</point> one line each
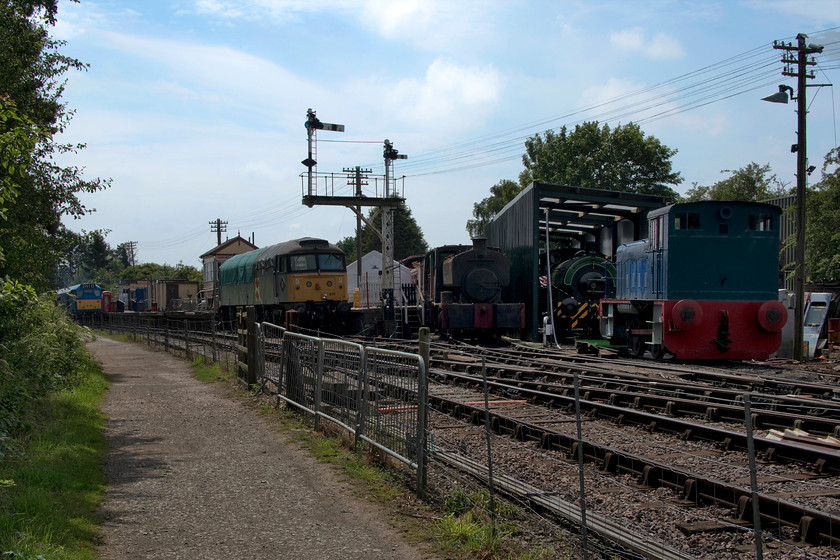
<point>576,211</point>
<point>221,248</point>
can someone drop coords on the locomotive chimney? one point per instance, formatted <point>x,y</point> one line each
<point>479,243</point>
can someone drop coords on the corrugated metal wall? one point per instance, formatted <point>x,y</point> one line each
<point>787,235</point>
<point>515,231</point>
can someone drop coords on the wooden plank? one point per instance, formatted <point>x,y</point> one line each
<point>709,526</point>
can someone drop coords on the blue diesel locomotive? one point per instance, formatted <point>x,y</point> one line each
<point>703,285</point>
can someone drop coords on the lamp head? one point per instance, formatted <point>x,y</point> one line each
<point>780,97</point>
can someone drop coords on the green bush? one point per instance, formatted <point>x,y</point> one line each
<point>40,351</point>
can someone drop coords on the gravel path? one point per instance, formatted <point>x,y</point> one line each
<point>194,474</point>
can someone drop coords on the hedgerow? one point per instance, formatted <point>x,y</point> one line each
<point>40,351</point>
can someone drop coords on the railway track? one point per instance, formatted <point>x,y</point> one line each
<point>532,404</point>
<point>527,422</point>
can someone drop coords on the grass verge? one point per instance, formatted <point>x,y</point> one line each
<point>51,487</point>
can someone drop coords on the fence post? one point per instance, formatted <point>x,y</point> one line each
<point>187,339</point>
<point>213,338</point>
<point>361,397</point>
<point>282,388</point>
<point>583,528</point>
<point>319,381</point>
<point>748,424</point>
<point>241,353</point>
<point>489,448</point>
<point>251,370</point>
<point>422,406</point>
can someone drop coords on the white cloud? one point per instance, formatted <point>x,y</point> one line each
<point>436,25</point>
<point>218,77</point>
<point>449,95</point>
<point>660,47</point>
<point>75,20</point>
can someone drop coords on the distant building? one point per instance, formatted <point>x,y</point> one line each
<point>134,294</point>
<point>174,295</point>
<point>214,258</point>
<point>370,289</point>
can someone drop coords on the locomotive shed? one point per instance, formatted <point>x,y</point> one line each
<point>579,216</point>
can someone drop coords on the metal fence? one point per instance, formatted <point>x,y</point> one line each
<point>190,337</point>
<point>377,395</point>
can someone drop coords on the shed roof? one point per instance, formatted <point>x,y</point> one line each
<point>576,211</point>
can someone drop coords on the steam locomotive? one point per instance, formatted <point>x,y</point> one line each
<point>703,285</point>
<point>462,291</point>
<point>578,284</point>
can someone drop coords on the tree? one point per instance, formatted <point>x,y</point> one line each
<point>348,245</point>
<point>822,230</point>
<point>753,182</point>
<point>594,156</point>
<point>154,271</point>
<point>31,67</point>
<point>408,237</point>
<point>500,194</point>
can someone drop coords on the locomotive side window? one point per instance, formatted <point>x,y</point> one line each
<point>657,232</point>
<point>330,262</point>
<point>760,222</point>
<point>687,220</point>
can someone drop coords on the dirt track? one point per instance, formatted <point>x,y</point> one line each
<point>195,474</point>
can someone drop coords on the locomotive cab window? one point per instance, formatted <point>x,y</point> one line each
<point>303,263</point>
<point>760,222</point>
<point>313,263</point>
<point>687,220</point>
<point>331,263</point>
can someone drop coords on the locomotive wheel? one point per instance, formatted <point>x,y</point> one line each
<point>634,341</point>
<point>658,351</point>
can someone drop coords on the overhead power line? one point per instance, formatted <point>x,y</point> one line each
<point>753,70</point>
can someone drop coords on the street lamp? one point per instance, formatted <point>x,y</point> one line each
<point>801,74</point>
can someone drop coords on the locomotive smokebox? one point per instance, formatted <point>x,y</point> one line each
<point>477,275</point>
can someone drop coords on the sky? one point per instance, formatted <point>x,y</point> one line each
<point>195,109</point>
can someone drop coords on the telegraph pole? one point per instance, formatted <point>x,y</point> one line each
<point>132,250</point>
<point>217,226</point>
<point>797,67</point>
<point>359,179</point>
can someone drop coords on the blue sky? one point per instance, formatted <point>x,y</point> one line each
<point>196,108</point>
